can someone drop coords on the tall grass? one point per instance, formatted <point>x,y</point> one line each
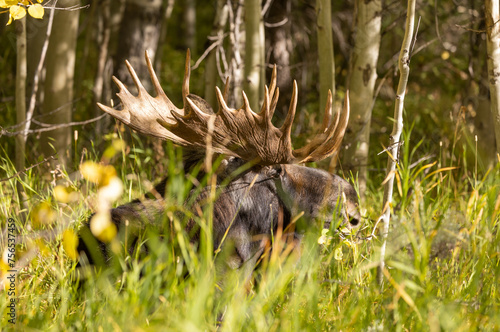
<point>443,262</point>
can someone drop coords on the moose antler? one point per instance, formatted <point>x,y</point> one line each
<point>237,132</point>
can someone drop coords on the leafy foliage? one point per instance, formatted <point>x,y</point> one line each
<point>17,9</point>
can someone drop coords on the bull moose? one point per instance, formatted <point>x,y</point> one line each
<point>255,201</point>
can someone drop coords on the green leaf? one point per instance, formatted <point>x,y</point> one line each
<point>36,11</point>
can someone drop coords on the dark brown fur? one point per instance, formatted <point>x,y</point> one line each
<point>250,207</point>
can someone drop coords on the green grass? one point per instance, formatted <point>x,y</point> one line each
<point>443,262</point>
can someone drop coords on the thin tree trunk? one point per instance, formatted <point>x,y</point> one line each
<point>280,40</point>
<point>190,24</point>
<point>59,81</point>
<point>104,17</point>
<point>394,141</point>
<point>361,85</point>
<point>216,36</point>
<point>325,51</point>
<point>262,66</point>
<point>492,11</point>
<point>167,13</point>
<point>235,63</point>
<point>139,31</point>
<point>254,45</point>
<point>21,75</point>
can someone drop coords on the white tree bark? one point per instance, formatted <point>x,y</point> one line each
<point>492,12</point>
<point>325,51</point>
<point>254,50</point>
<point>361,85</point>
<point>216,36</point>
<point>21,75</point>
<point>60,69</point>
<point>394,141</point>
<point>235,63</point>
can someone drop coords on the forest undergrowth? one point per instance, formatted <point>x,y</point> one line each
<point>442,271</point>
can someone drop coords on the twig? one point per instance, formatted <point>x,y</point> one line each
<point>414,41</point>
<point>50,128</point>
<point>70,9</point>
<point>266,7</point>
<point>27,169</point>
<point>217,42</point>
<point>277,24</point>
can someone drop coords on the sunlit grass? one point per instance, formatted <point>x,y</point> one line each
<point>443,260</point>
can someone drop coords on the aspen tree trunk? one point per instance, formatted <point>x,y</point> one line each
<point>60,70</point>
<point>492,12</point>
<point>167,13</point>
<point>190,24</point>
<point>361,85</point>
<point>394,141</point>
<point>235,63</point>
<point>254,50</point>
<point>281,48</point>
<point>103,61</point>
<point>211,73</point>
<point>21,74</point>
<point>325,51</point>
<point>139,31</point>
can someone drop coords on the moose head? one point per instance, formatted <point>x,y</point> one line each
<point>274,188</point>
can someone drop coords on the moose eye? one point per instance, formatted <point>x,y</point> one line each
<point>275,171</point>
<point>354,221</point>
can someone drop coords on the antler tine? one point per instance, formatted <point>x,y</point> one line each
<point>226,89</point>
<point>272,84</point>
<point>273,91</point>
<point>135,78</point>
<point>123,115</point>
<point>221,99</point>
<point>251,115</point>
<point>286,128</point>
<point>187,74</point>
<point>328,112</point>
<point>327,143</point>
<point>156,83</point>
<point>264,111</point>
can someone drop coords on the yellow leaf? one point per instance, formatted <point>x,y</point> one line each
<point>102,227</point>
<point>36,11</point>
<point>42,214</point>
<point>7,3</point>
<point>39,1</point>
<point>338,254</point>
<point>90,171</point>
<point>42,247</point>
<point>10,20</point>
<point>112,191</point>
<point>17,12</point>
<point>70,244</point>
<point>60,194</point>
<point>96,173</point>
